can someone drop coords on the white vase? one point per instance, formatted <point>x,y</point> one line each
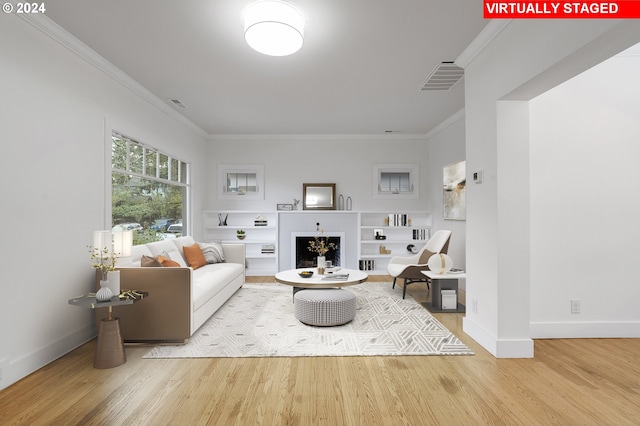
<point>113,279</point>
<point>322,262</point>
<point>104,294</point>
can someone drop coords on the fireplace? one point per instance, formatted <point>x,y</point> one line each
<point>303,258</point>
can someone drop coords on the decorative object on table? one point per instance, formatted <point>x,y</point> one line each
<point>453,191</point>
<point>322,263</point>
<point>321,245</point>
<point>103,259</point>
<point>104,294</point>
<point>319,196</point>
<point>107,247</point>
<point>240,234</point>
<point>440,263</point>
<point>285,207</point>
<point>222,221</point>
<point>306,274</point>
<point>295,203</point>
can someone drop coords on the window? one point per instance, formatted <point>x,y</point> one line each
<point>395,181</point>
<point>241,180</point>
<point>148,187</point>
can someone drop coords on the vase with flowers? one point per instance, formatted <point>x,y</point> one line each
<point>321,245</point>
<point>104,260</point>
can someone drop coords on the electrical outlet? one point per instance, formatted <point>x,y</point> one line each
<point>474,306</point>
<point>575,306</point>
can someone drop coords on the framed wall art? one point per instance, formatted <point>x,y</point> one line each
<point>453,191</point>
<point>319,196</point>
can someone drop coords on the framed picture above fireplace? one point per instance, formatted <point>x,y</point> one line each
<point>318,196</point>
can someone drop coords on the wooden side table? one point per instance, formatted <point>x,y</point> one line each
<point>110,346</point>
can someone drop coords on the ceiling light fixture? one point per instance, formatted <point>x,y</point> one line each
<point>273,27</point>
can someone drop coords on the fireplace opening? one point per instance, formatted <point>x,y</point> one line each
<point>308,259</point>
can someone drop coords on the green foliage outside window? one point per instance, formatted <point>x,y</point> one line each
<point>146,186</point>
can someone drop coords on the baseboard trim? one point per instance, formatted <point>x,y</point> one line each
<point>28,363</point>
<point>499,348</point>
<point>585,330</point>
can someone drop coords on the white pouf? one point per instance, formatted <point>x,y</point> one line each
<point>325,307</point>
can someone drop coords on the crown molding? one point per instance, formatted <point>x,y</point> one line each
<point>318,137</point>
<point>445,124</point>
<point>488,33</point>
<point>67,40</point>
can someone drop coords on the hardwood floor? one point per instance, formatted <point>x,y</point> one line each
<point>570,381</point>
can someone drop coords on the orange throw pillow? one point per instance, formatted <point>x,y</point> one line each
<point>167,262</point>
<point>195,257</point>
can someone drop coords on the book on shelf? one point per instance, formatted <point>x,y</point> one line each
<point>421,234</point>
<point>399,219</point>
<point>456,271</point>
<point>367,264</point>
<point>261,220</point>
<point>268,249</point>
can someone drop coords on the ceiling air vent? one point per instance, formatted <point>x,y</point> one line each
<point>177,103</point>
<point>443,77</point>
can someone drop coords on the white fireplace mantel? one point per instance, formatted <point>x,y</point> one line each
<point>333,223</point>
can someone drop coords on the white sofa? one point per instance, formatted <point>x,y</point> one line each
<point>180,299</point>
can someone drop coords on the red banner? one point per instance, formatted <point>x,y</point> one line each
<point>623,9</point>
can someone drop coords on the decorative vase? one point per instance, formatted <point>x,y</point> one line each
<point>113,278</point>
<point>241,236</point>
<point>104,294</point>
<point>322,262</point>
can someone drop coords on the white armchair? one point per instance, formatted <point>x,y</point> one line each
<point>409,267</point>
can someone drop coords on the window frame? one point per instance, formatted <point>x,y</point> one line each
<point>412,169</point>
<point>225,169</point>
<point>183,174</point>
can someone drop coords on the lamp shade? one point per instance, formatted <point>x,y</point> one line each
<point>273,27</point>
<point>440,263</point>
<point>102,240</point>
<point>122,243</point>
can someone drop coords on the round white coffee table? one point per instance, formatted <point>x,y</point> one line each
<point>291,277</point>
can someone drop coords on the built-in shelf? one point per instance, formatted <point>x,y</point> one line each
<point>400,229</point>
<point>360,228</point>
<point>258,238</point>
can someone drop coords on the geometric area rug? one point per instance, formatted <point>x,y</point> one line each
<point>259,321</point>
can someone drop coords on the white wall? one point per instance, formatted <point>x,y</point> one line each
<point>291,162</point>
<point>524,60</point>
<point>584,199</point>
<point>447,146</point>
<point>53,115</point>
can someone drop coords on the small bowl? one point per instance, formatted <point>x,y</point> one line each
<point>306,274</point>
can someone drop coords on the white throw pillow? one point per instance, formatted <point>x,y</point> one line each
<point>213,252</point>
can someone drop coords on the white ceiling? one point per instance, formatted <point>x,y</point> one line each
<point>358,72</point>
